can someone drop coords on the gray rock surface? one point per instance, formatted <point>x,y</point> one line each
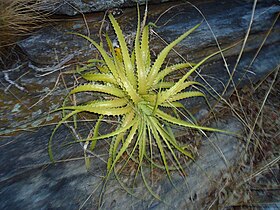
<point>217,154</point>
<point>74,7</point>
<point>53,44</point>
<point>29,181</point>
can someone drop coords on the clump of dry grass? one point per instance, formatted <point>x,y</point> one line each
<point>254,183</point>
<point>18,18</point>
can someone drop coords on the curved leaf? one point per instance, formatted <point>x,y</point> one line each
<point>108,78</point>
<point>162,74</point>
<point>95,132</point>
<point>161,57</point>
<point>110,64</point>
<point>124,51</point>
<point>154,131</point>
<point>145,51</point>
<point>163,85</point>
<point>55,129</point>
<point>174,90</point>
<point>176,121</point>
<point>124,82</point>
<point>141,71</point>
<point>100,110</point>
<point>111,90</point>
<point>128,120</point>
<point>125,145</point>
<point>189,94</point>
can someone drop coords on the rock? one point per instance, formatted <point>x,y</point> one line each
<point>52,44</point>
<point>217,154</point>
<point>49,46</point>
<point>29,181</point>
<point>74,7</point>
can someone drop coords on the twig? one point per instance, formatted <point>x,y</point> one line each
<point>41,99</point>
<point>13,69</point>
<point>52,69</point>
<point>84,146</point>
<point>11,82</point>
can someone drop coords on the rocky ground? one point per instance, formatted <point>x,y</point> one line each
<point>229,173</point>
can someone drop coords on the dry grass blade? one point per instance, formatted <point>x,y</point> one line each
<point>252,128</point>
<point>18,19</point>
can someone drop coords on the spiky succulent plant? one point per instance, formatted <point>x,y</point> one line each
<point>135,88</point>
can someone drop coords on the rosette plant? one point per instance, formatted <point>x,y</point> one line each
<point>136,89</point>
